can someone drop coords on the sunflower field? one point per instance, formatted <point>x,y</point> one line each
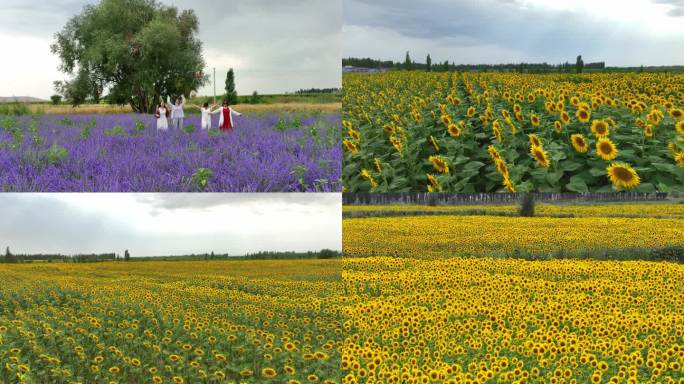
<point>171,322</point>
<point>489,132</point>
<point>472,235</point>
<point>484,320</point>
<point>433,299</point>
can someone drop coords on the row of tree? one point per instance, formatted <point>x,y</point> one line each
<point>578,67</point>
<point>84,258</point>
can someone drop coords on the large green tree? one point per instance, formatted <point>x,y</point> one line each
<point>136,50</point>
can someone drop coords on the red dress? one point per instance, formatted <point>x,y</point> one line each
<point>227,126</point>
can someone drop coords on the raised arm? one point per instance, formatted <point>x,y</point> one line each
<point>182,100</point>
<point>235,112</point>
<point>168,100</point>
<point>215,111</point>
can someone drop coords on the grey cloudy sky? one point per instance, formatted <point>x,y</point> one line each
<point>619,32</point>
<point>169,224</point>
<point>274,46</point>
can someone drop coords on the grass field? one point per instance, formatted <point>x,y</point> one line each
<point>435,299</point>
<point>171,322</point>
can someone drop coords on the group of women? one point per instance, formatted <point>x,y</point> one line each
<point>168,110</point>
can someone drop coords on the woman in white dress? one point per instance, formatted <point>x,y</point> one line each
<point>206,114</point>
<point>162,115</point>
<point>177,114</point>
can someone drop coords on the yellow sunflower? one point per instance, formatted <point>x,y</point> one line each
<point>534,140</point>
<point>508,184</point>
<point>558,127</point>
<point>622,175</point>
<point>564,117</point>
<point>534,119</point>
<point>679,127</point>
<point>350,146</point>
<point>606,149</point>
<point>366,175</point>
<point>648,131</point>
<point>540,156</point>
<point>679,158</point>
<point>583,115</point>
<point>439,163</point>
<point>470,112</point>
<point>454,130</point>
<point>579,142</point>
<point>600,128</point>
<point>676,113</point>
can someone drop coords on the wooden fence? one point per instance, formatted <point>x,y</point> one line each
<point>419,198</point>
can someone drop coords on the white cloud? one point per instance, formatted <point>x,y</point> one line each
<point>166,224</point>
<point>274,46</point>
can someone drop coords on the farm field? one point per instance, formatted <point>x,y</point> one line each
<point>171,322</point>
<point>126,153</point>
<point>491,132</point>
<point>484,235</point>
<point>484,320</point>
<point>577,210</point>
<point>435,299</point>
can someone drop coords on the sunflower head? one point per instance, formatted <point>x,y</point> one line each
<point>557,126</point>
<point>622,175</point>
<point>600,128</point>
<point>579,142</point>
<point>534,119</point>
<point>540,156</point>
<point>470,112</point>
<point>606,149</point>
<point>446,120</point>
<point>679,127</point>
<point>439,163</point>
<point>350,146</point>
<point>677,113</point>
<point>583,115</point>
<point>534,140</point>
<point>454,130</point>
<point>648,131</point>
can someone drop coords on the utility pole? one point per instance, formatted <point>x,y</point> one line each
<point>214,85</point>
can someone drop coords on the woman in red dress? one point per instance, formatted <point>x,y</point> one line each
<point>226,119</point>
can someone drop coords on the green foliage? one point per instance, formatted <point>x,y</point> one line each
<point>139,127</point>
<point>14,109</point>
<point>201,177</point>
<point>56,99</point>
<point>189,129</point>
<point>299,172</point>
<point>56,154</point>
<point>116,130</point>
<point>137,55</point>
<point>213,132</point>
<point>231,94</point>
<point>673,253</point>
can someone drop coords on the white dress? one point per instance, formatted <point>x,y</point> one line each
<point>162,122</point>
<point>206,116</point>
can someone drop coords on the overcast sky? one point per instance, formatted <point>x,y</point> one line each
<point>169,224</point>
<point>274,46</point>
<point>619,32</point>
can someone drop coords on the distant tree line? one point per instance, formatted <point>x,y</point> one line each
<point>316,91</point>
<point>126,257</point>
<point>322,254</point>
<point>579,66</point>
<point>50,257</point>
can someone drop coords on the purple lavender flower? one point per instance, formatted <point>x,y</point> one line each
<point>108,153</point>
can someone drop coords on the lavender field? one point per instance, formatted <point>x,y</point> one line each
<point>126,153</point>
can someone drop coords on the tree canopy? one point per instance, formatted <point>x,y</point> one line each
<point>137,50</point>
